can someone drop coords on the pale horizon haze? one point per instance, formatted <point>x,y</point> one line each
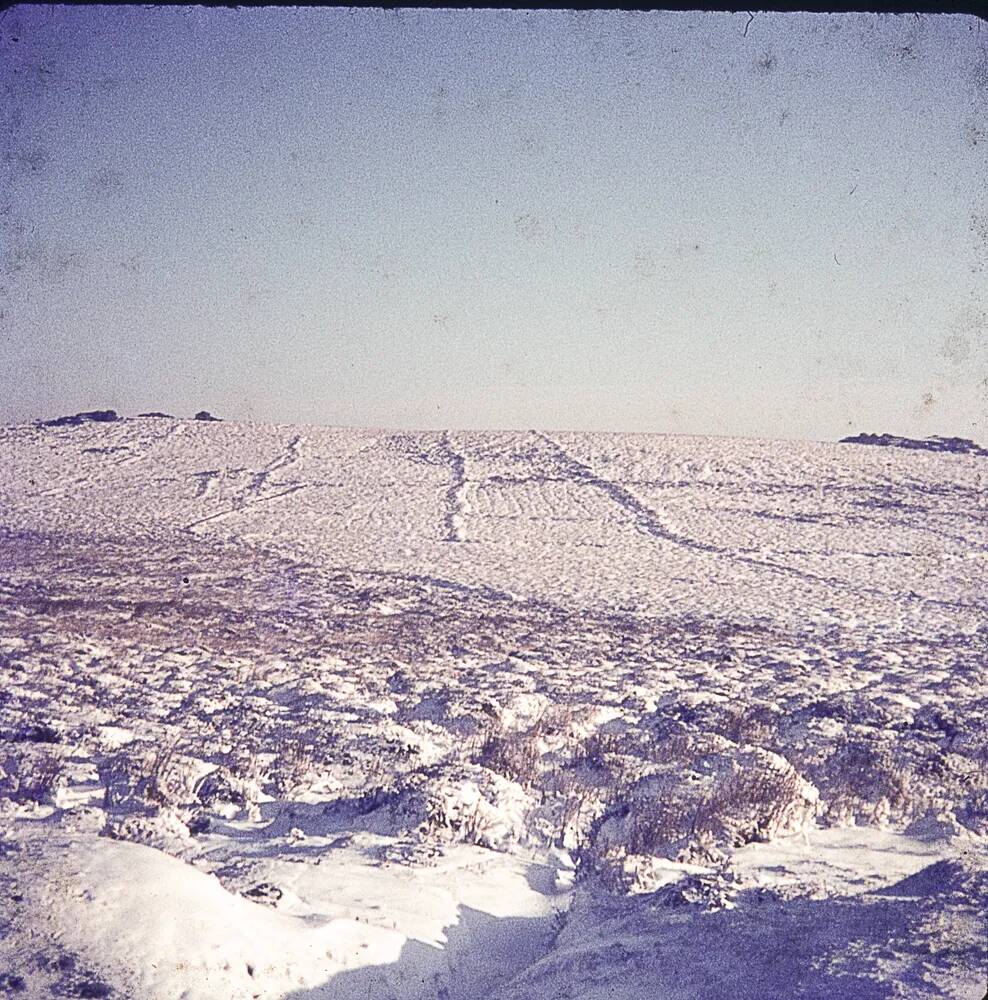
<point>657,222</point>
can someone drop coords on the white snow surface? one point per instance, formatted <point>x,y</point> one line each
<point>293,711</point>
<point>723,526</point>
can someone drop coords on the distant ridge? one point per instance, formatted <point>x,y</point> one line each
<point>954,445</point>
<point>110,416</point>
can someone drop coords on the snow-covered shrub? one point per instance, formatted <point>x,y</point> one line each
<point>613,764</point>
<point>690,816</point>
<point>32,777</point>
<point>83,818</point>
<point>228,794</point>
<point>636,874</point>
<point>124,776</point>
<point>448,805</point>
<point>761,798</point>
<point>935,825</point>
<point>145,779</point>
<point>855,708</point>
<point>565,809</point>
<point>578,813</point>
<point>861,782</point>
<point>150,796</point>
<point>753,724</point>
<point>595,751</point>
<point>456,813</point>
<point>658,826</point>
<point>516,755</point>
<point>170,779</point>
<point>973,814</point>
<point>680,748</point>
<point>562,725</point>
<point>490,812</point>
<point>516,742</point>
<point>165,830</point>
<point>972,743</point>
<point>711,891</point>
<point>935,717</point>
<point>291,770</point>
<point>693,715</point>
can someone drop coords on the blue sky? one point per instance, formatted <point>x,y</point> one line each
<point>603,220</point>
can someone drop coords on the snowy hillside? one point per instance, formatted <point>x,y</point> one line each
<point>313,712</point>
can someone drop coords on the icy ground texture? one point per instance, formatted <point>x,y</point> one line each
<point>302,712</point>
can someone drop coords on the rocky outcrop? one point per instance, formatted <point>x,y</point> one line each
<point>91,416</point>
<point>954,445</point>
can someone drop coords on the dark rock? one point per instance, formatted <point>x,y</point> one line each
<point>91,416</point>
<point>199,823</point>
<point>157,413</point>
<point>37,732</point>
<point>264,892</point>
<point>93,990</point>
<point>205,415</point>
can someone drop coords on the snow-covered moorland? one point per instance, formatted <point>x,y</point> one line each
<point>298,712</point>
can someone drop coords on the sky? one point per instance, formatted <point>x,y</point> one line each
<point>771,225</point>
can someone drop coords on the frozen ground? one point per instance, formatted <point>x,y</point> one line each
<point>303,712</point>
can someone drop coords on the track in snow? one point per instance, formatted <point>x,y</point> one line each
<point>453,504</point>
<point>645,519</point>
